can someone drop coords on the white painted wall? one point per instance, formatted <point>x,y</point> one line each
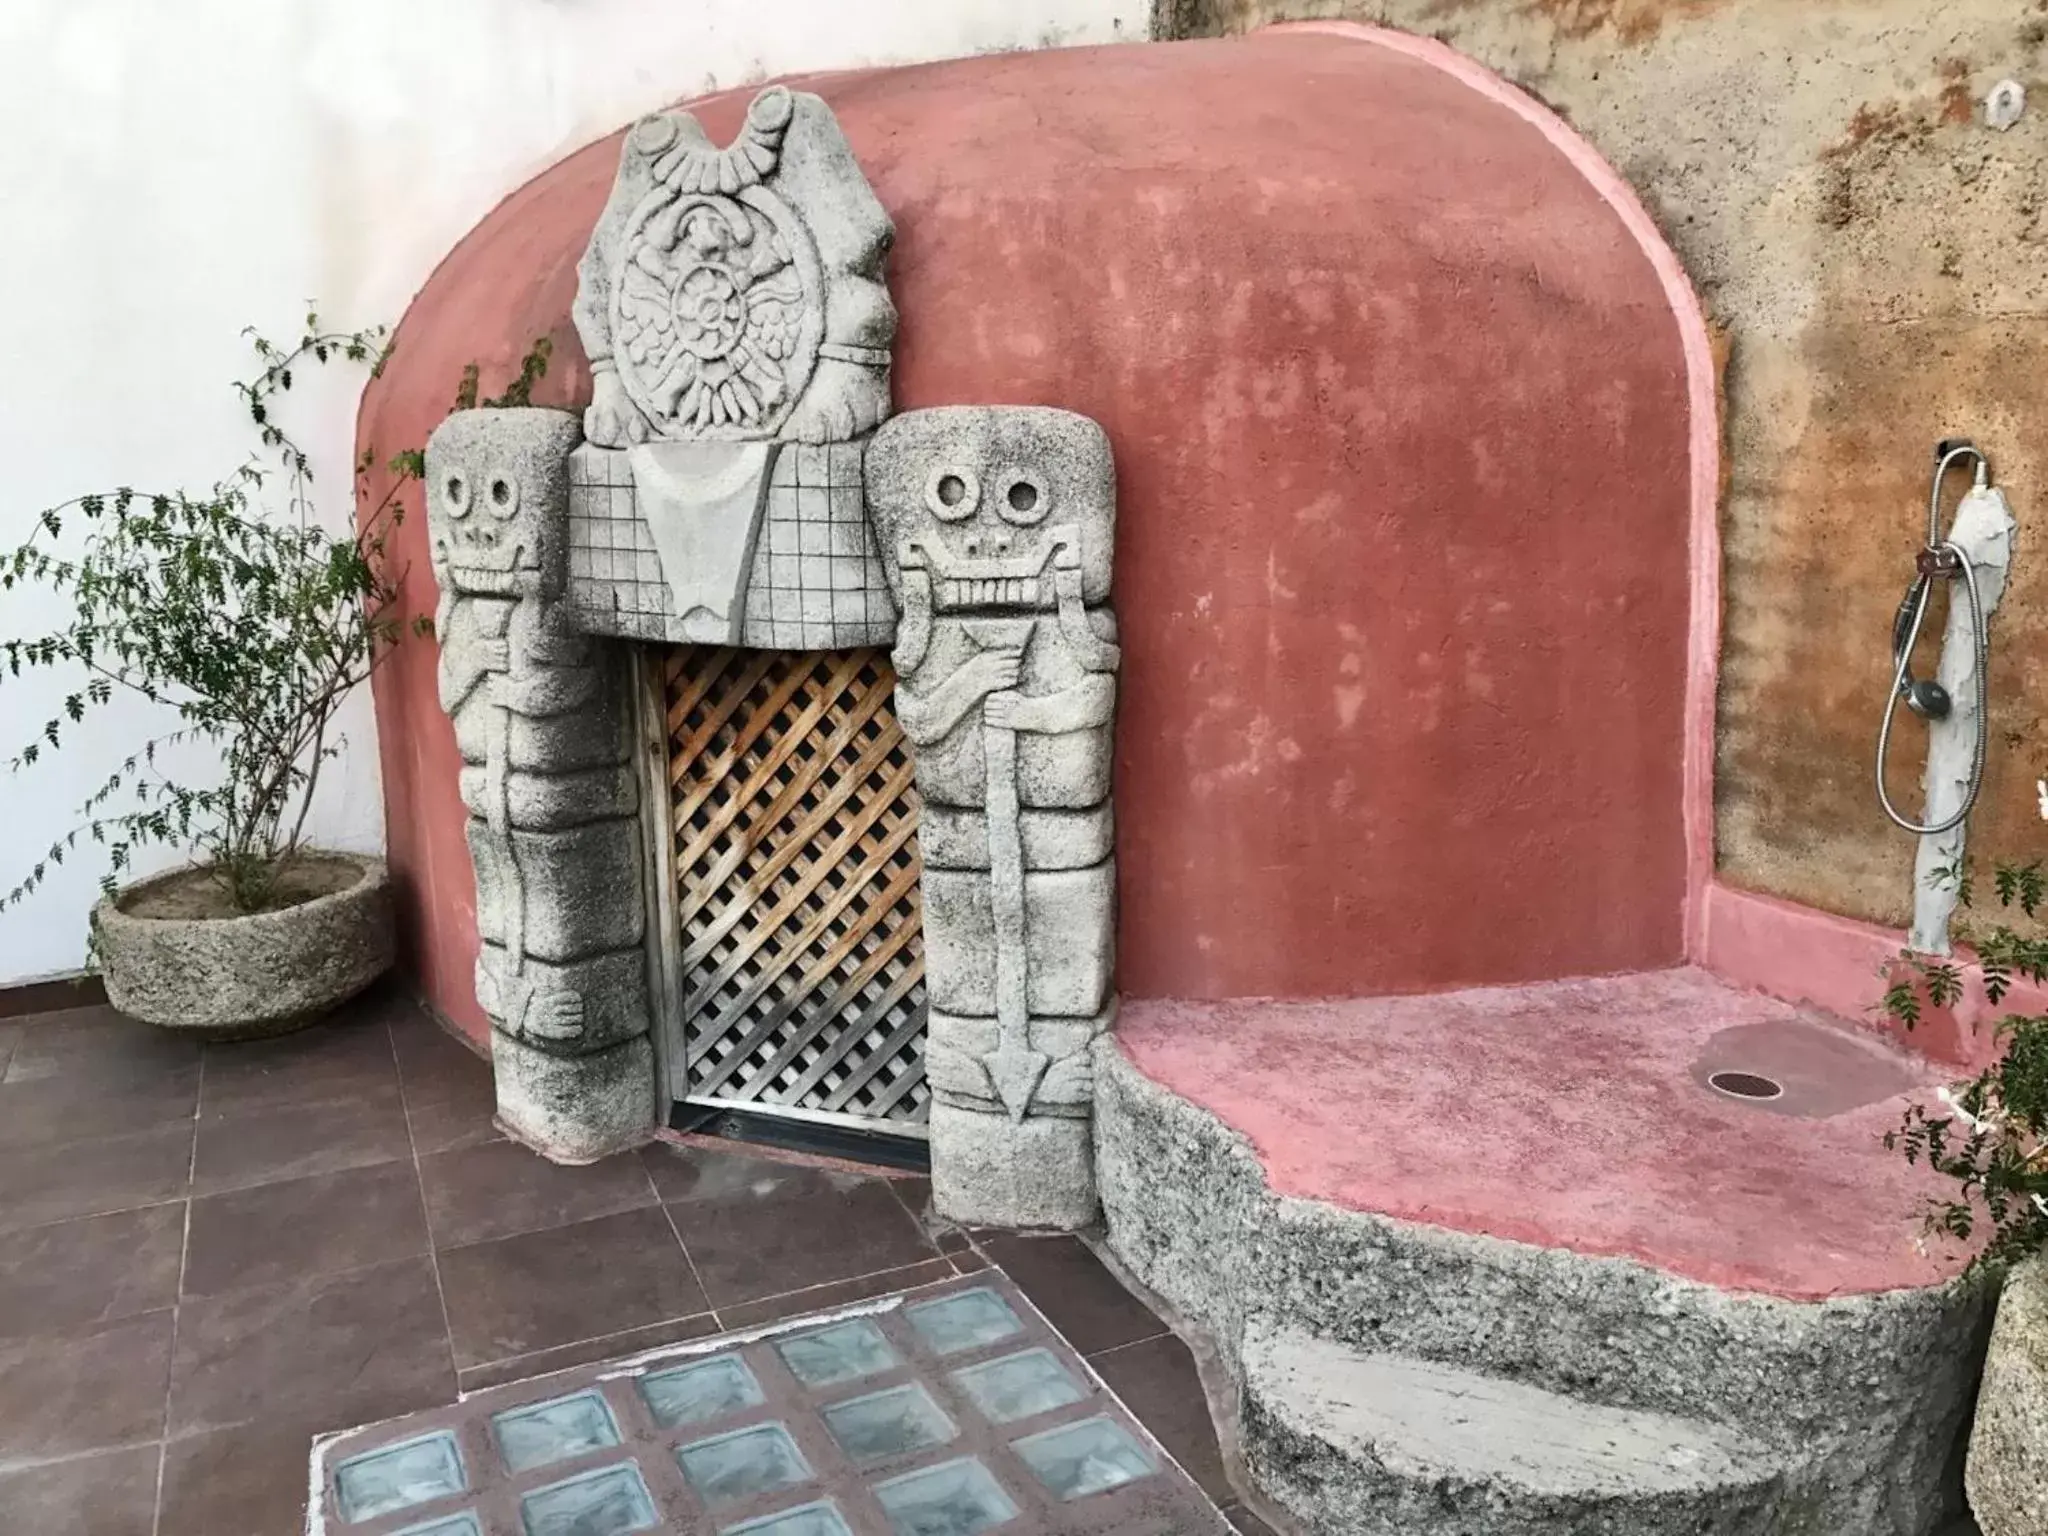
<point>177,171</point>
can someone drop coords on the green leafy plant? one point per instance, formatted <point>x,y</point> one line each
<point>1992,1138</point>
<point>250,622</point>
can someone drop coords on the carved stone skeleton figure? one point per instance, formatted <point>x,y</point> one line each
<point>996,526</point>
<point>548,779</point>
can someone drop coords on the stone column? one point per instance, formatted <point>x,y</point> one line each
<point>996,527</point>
<point>543,722</point>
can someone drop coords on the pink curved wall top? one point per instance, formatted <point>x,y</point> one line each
<point>1406,482</point>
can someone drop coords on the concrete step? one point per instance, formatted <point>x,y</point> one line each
<point>1368,1443</point>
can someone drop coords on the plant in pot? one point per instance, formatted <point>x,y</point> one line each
<point>245,627</point>
<point>1990,1136</point>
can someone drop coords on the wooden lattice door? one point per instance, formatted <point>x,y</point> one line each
<point>799,965</point>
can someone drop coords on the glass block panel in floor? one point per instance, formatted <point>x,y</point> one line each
<point>1092,1456</point>
<point>820,1519</point>
<point>554,1431</point>
<point>1018,1386</point>
<point>843,1352</point>
<point>464,1524</point>
<point>743,1463</point>
<point>955,1498</point>
<point>966,1320</point>
<point>890,1423</point>
<point>693,1394</point>
<point>607,1502</point>
<point>394,1477</point>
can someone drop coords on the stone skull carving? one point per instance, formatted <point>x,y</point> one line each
<point>996,526</point>
<point>547,777</point>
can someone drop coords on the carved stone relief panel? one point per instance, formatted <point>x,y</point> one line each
<point>551,787</point>
<point>739,330</point>
<point>997,526</point>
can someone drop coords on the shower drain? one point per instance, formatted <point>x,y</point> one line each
<point>1746,1085</point>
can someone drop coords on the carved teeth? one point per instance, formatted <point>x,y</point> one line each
<point>992,592</point>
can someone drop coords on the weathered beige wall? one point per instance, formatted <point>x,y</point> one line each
<point>1878,260</point>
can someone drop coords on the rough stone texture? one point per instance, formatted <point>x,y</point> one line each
<point>2008,1465</point>
<point>1877,257</point>
<point>551,789</point>
<point>238,977</point>
<point>1983,529</point>
<point>1859,1399</point>
<point>997,526</point>
<point>576,1109</point>
<point>738,328</point>
<point>1383,1444</point>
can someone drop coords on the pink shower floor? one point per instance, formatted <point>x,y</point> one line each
<point>1573,1114</point>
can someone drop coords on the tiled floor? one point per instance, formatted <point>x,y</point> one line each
<point>207,1256</point>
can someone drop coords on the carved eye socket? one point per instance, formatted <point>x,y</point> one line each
<point>953,495</point>
<point>455,492</point>
<point>504,496</point>
<point>1026,501</point>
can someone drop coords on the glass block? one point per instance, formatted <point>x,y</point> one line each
<point>398,1476</point>
<point>839,1353</point>
<point>743,1463</point>
<point>709,1389</point>
<point>1017,1386</point>
<point>464,1524</point>
<point>888,1423</point>
<point>955,1498</point>
<point>1092,1456</point>
<point>606,1502</point>
<point>554,1431</point>
<point>965,1320</point>
<point>811,1520</point>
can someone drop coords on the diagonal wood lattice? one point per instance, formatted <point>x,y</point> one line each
<point>794,819</point>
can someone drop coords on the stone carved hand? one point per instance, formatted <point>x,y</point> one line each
<point>992,672</point>
<point>555,1016</point>
<point>492,655</point>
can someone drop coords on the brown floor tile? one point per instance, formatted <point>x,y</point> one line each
<point>840,1293</point>
<point>72,1274</point>
<point>1077,1295</point>
<point>757,1228</point>
<point>613,1346</point>
<point>249,1481</point>
<point>89,1389</point>
<point>97,1045</point>
<point>454,1118</point>
<point>112,1494</point>
<point>345,1056</point>
<point>69,1109</point>
<point>333,1351</point>
<point>499,1190</point>
<point>301,1228</point>
<point>430,1059</point>
<point>265,1146</point>
<point>542,1290</point>
<point>1158,1382</point>
<point>56,1181</point>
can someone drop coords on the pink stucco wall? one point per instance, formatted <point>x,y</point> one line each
<point>1407,468</point>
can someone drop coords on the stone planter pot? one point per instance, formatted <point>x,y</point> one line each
<point>243,976</point>
<point>2007,1474</point>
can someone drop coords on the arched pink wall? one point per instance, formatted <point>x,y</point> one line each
<point>1405,439</point>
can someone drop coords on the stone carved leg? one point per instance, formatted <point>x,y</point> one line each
<point>542,721</point>
<point>996,528</point>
